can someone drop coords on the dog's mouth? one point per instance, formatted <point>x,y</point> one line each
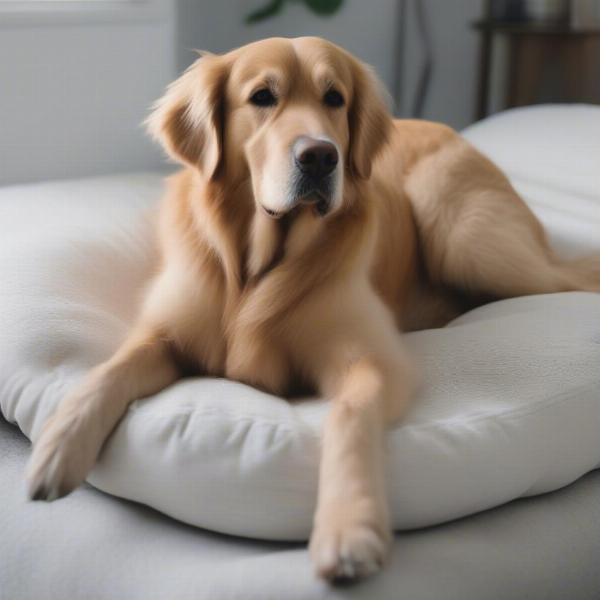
<point>316,203</point>
<point>318,196</point>
<point>272,213</point>
<point>319,203</point>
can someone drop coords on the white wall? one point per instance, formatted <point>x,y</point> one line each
<point>73,92</point>
<point>219,26</point>
<point>368,28</point>
<point>452,93</point>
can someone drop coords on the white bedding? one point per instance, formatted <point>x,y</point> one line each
<point>96,547</point>
<point>90,546</point>
<point>552,155</point>
<point>509,407</point>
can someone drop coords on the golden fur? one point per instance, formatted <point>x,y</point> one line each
<point>421,227</point>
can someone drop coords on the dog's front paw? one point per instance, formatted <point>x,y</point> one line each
<point>347,547</point>
<point>62,457</point>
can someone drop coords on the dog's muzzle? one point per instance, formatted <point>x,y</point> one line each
<point>313,176</point>
<point>315,162</point>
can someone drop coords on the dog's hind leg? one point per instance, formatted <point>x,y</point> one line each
<point>503,255</point>
<point>72,438</point>
<point>477,234</point>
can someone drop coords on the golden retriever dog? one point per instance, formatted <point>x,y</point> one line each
<point>307,229</point>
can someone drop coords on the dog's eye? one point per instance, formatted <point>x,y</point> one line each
<point>263,97</point>
<point>333,98</point>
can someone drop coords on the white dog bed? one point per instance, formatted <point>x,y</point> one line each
<point>510,404</point>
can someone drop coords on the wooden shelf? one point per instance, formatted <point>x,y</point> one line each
<point>546,62</point>
<point>531,28</point>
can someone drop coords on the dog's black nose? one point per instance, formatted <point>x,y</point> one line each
<point>316,158</point>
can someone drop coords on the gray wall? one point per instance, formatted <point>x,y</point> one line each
<point>367,28</point>
<point>74,89</point>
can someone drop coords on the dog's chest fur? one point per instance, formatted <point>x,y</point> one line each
<point>236,326</point>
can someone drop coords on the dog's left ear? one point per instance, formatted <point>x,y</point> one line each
<point>369,119</point>
<point>187,120</point>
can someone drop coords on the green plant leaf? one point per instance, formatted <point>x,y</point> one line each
<point>269,10</point>
<point>324,7</point>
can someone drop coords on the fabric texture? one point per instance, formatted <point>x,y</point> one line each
<point>89,546</point>
<point>509,405</point>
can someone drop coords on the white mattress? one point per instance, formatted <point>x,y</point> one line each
<point>90,546</point>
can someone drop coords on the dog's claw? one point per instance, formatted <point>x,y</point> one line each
<point>48,494</point>
<point>38,494</point>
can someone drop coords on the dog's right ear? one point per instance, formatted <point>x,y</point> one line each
<point>187,120</point>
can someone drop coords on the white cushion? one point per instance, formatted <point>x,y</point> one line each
<point>551,153</point>
<point>510,404</point>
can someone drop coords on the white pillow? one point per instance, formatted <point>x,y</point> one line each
<point>551,153</point>
<point>510,404</point>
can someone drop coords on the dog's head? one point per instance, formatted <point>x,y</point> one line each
<point>300,118</point>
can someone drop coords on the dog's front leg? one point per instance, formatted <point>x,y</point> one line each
<point>351,532</point>
<point>70,441</point>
